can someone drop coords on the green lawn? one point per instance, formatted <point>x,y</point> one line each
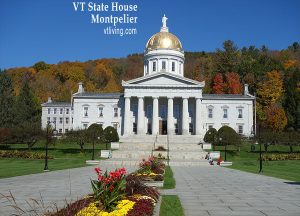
<point>170,206</point>
<point>66,155</point>
<point>169,181</point>
<point>249,161</point>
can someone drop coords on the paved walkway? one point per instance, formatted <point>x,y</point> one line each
<point>204,190</point>
<point>54,187</point>
<point>212,190</point>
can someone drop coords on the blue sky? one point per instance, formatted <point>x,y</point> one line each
<point>51,31</point>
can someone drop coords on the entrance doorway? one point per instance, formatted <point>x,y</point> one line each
<point>163,127</point>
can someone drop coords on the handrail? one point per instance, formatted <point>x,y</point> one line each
<point>168,150</point>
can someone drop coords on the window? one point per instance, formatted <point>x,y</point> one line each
<point>55,110</point>
<point>72,120</point>
<point>163,66</point>
<point>48,120</point>
<point>149,111</point>
<point>173,66</point>
<point>176,129</point>
<point>60,120</point>
<point>116,112</point>
<point>240,113</point>
<point>54,119</point>
<point>191,112</point>
<point>191,128</point>
<point>154,66</point>
<point>225,113</point>
<point>134,128</point>
<point>61,111</point>
<point>85,111</point>
<point>240,129</point>
<point>85,126</point>
<point>210,127</point>
<point>100,111</point>
<point>60,130</point>
<point>210,112</point>
<point>115,125</point>
<point>163,111</point>
<point>176,111</point>
<point>67,111</point>
<point>67,120</point>
<point>67,130</point>
<point>147,67</point>
<point>49,110</point>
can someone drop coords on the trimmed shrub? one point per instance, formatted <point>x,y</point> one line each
<point>110,134</point>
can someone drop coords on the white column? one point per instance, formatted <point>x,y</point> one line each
<point>140,125</point>
<point>185,116</point>
<point>155,116</point>
<point>170,116</point>
<point>198,117</point>
<point>127,119</point>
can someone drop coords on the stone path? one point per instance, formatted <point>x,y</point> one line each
<point>53,187</point>
<point>204,190</point>
<point>212,190</point>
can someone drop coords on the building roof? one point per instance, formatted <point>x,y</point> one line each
<point>227,96</point>
<point>115,95</point>
<point>56,104</point>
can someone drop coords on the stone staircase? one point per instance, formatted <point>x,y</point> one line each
<point>184,150</point>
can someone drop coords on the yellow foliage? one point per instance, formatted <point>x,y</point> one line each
<point>289,63</point>
<point>270,90</point>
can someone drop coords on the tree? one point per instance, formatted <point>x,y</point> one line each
<point>41,65</point>
<point>218,84</point>
<point>275,117</point>
<point>27,109</point>
<point>110,135</point>
<point>94,133</point>
<point>227,60</point>
<point>78,136</point>
<point>270,90</point>
<point>292,97</point>
<point>233,83</point>
<point>211,136</point>
<point>228,136</point>
<point>6,100</point>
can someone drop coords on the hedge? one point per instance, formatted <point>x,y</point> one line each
<point>23,154</point>
<point>279,157</point>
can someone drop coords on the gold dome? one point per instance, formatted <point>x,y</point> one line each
<point>163,40</point>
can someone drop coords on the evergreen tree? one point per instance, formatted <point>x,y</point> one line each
<point>6,101</point>
<point>27,108</point>
<point>292,99</point>
<point>227,60</point>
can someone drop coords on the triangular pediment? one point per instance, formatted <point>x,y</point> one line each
<point>162,79</point>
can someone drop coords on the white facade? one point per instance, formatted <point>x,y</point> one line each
<point>163,101</point>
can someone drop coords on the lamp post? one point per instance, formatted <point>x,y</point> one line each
<point>260,157</point>
<point>220,139</point>
<point>47,143</point>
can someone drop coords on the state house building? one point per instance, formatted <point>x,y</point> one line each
<point>162,101</point>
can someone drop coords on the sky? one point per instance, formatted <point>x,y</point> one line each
<point>52,31</point>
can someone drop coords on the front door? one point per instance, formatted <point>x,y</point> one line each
<point>163,127</point>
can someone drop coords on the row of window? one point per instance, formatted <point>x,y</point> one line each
<point>225,113</point>
<point>100,112</point>
<point>240,129</point>
<point>163,66</point>
<point>67,120</point>
<point>55,110</point>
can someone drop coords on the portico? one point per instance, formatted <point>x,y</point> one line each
<point>162,103</point>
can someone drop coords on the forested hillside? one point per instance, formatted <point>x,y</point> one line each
<point>274,76</point>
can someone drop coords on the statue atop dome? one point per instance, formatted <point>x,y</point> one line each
<point>164,27</point>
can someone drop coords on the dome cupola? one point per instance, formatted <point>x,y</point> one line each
<point>163,52</point>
